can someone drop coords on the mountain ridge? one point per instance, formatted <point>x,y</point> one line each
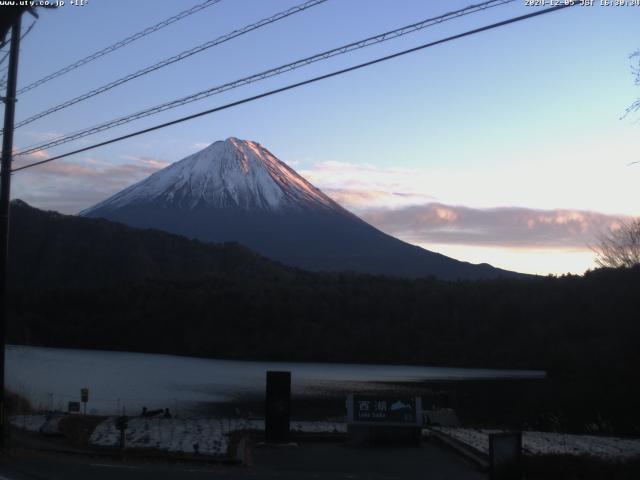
<point>49,249</point>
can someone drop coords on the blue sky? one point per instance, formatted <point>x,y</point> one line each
<point>514,135</point>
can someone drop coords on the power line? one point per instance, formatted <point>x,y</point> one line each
<point>266,74</point>
<point>174,59</point>
<point>120,44</point>
<point>33,24</point>
<point>6,55</point>
<point>5,43</point>
<point>300,84</point>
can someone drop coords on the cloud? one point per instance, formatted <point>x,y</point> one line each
<point>43,136</point>
<point>357,174</point>
<point>39,155</point>
<point>512,227</point>
<point>32,157</point>
<point>149,161</point>
<point>392,199</point>
<point>419,207</point>
<point>362,186</point>
<point>70,186</point>
<point>360,199</point>
<point>596,184</point>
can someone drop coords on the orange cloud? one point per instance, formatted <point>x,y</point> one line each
<point>511,227</point>
<point>70,186</point>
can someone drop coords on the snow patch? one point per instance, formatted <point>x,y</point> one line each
<point>546,443</point>
<point>207,436</point>
<point>30,423</point>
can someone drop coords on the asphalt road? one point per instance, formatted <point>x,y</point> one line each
<point>317,461</point>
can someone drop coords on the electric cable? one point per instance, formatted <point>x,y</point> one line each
<point>176,58</point>
<point>299,84</point>
<point>265,74</point>
<point>112,48</point>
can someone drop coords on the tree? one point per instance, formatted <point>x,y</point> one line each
<point>620,247</point>
<point>635,106</point>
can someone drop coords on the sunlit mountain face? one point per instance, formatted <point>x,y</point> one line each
<point>236,190</point>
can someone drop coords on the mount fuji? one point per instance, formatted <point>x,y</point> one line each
<point>236,190</point>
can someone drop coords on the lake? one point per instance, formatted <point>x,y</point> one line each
<point>51,377</point>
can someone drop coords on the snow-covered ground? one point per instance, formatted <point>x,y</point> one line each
<point>182,435</point>
<point>173,435</point>
<point>50,377</point>
<point>30,423</point>
<point>210,435</point>
<point>544,443</point>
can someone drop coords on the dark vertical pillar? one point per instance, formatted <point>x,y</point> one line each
<point>5,195</point>
<point>505,456</point>
<point>278,407</point>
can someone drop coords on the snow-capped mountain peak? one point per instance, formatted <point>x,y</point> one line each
<point>238,191</point>
<point>227,174</point>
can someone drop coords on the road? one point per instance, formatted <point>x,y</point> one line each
<point>315,461</point>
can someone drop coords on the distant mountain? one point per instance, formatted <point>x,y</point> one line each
<point>237,190</point>
<point>50,250</point>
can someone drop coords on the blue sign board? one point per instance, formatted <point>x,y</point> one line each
<point>372,410</point>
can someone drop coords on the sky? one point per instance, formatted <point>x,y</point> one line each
<point>509,147</point>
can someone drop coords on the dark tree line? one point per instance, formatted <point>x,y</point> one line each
<point>537,323</point>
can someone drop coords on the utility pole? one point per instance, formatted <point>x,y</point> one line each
<point>5,196</point>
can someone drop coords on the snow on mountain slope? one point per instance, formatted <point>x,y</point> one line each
<point>232,173</point>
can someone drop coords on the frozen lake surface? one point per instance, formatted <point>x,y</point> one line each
<point>51,377</point>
